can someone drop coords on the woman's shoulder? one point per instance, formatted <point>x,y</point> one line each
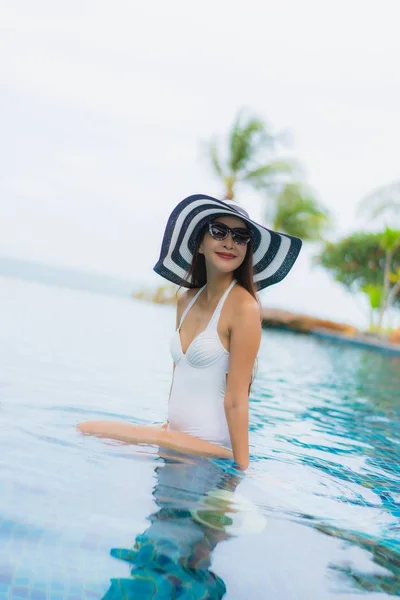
<point>243,302</point>
<point>243,297</point>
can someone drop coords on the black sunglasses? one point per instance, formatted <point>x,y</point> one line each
<point>220,231</point>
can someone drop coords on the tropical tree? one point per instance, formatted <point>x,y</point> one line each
<point>367,262</point>
<point>250,159</point>
<point>383,201</point>
<point>297,212</point>
<point>390,242</point>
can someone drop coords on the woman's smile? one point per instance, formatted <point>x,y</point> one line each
<point>226,255</point>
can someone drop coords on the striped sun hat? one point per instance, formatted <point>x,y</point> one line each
<point>274,254</point>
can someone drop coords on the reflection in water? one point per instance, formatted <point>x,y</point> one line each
<point>172,557</point>
<point>353,439</point>
<point>345,426</point>
<point>325,444</point>
<point>384,556</point>
<point>374,421</point>
<point>369,425</point>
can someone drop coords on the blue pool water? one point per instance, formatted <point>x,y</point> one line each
<point>85,518</point>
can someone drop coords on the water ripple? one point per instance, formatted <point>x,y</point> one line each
<point>325,461</point>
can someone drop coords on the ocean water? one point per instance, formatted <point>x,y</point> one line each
<point>315,516</point>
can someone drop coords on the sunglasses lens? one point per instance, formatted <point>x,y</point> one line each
<point>241,237</point>
<point>218,232</point>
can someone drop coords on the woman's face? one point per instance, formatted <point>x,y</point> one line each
<point>224,255</point>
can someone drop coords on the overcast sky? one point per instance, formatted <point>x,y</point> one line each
<point>103,108</point>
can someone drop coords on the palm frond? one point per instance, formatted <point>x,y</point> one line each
<point>251,159</point>
<point>390,239</point>
<point>308,227</point>
<point>245,140</point>
<point>299,213</point>
<point>260,176</point>
<point>385,199</point>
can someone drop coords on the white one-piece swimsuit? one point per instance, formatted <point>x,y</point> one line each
<point>196,404</point>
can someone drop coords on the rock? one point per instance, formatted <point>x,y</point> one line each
<point>394,337</point>
<point>304,323</point>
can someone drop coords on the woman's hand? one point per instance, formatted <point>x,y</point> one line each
<point>243,465</point>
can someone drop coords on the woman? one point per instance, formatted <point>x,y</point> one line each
<point>223,257</point>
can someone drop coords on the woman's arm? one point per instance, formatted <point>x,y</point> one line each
<point>244,344</point>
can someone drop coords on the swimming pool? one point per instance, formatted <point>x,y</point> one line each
<point>83,518</point>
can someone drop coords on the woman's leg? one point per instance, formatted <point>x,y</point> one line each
<point>154,434</point>
<point>172,557</point>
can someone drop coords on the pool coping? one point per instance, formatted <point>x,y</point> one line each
<point>351,340</point>
<point>358,341</point>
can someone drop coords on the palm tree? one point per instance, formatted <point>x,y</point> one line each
<point>390,242</point>
<point>297,212</point>
<point>250,160</point>
<point>250,157</point>
<point>384,200</point>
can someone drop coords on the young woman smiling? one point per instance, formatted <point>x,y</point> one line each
<point>213,248</point>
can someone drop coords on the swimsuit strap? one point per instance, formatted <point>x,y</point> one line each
<point>217,313</point>
<point>189,306</point>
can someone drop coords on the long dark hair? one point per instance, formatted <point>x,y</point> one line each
<point>197,275</point>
